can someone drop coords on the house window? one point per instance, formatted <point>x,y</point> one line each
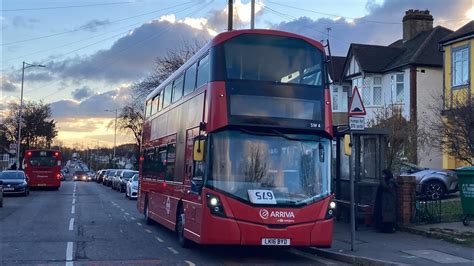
<point>372,91</point>
<point>339,98</point>
<point>377,91</point>
<point>397,86</point>
<point>460,65</point>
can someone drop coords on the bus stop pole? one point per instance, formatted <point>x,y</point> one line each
<point>351,181</point>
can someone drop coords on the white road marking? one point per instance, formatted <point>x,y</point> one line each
<point>73,209</point>
<point>133,218</point>
<point>127,213</point>
<point>148,231</point>
<point>71,224</point>
<point>73,201</point>
<point>69,251</point>
<point>69,263</point>
<point>190,263</point>
<point>173,250</point>
<point>122,210</point>
<point>139,224</point>
<point>159,239</point>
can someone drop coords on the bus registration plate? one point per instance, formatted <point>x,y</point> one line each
<point>275,241</point>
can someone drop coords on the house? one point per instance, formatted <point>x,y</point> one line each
<point>340,91</point>
<point>458,48</point>
<point>406,75</point>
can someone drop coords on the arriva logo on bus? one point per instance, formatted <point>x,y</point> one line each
<point>264,213</point>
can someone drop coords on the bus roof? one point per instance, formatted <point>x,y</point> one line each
<point>222,37</point>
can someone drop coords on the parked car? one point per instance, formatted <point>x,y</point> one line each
<point>109,176</point>
<point>14,182</point>
<point>100,176</point>
<point>131,191</point>
<point>124,177</point>
<point>431,183</point>
<point>116,179</point>
<point>80,176</point>
<point>1,194</point>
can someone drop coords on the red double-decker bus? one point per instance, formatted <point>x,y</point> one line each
<point>43,168</point>
<point>236,144</point>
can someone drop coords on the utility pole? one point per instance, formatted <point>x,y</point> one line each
<point>230,15</point>
<point>252,15</point>
<point>328,29</point>
<point>18,149</point>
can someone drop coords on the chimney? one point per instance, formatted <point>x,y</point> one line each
<point>416,21</point>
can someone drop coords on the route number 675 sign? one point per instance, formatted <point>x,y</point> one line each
<point>261,196</point>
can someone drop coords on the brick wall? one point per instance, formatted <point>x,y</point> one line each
<point>406,198</point>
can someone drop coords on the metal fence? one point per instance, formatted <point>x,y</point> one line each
<point>428,208</point>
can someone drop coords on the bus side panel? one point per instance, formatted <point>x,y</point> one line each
<point>217,101</point>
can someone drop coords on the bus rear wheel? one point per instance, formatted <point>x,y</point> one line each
<point>183,241</point>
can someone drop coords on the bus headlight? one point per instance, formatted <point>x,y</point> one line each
<point>214,204</point>
<point>331,210</point>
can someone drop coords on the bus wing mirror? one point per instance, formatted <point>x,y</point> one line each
<point>321,153</point>
<point>347,145</point>
<point>196,184</point>
<point>199,145</point>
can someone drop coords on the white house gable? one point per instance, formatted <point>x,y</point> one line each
<point>353,67</point>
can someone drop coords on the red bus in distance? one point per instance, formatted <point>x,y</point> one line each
<point>43,168</point>
<point>237,144</point>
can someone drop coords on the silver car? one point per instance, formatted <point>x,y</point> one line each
<point>431,183</point>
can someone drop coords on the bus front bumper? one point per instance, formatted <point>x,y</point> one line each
<point>232,232</point>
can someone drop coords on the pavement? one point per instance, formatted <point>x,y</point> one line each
<point>374,248</point>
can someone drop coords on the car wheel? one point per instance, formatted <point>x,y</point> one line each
<point>180,224</point>
<point>434,190</point>
<point>148,220</point>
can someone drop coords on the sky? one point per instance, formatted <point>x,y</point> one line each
<point>94,50</point>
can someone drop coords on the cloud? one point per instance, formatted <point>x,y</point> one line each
<point>94,106</point>
<point>94,25</point>
<point>7,84</point>
<point>131,56</point>
<point>21,22</point>
<point>82,93</point>
<point>383,24</point>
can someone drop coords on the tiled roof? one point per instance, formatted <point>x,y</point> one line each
<point>422,51</point>
<point>338,64</point>
<point>465,30</point>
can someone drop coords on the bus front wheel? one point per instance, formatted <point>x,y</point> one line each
<point>185,243</point>
<point>148,220</point>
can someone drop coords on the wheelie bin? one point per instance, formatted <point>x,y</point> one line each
<point>466,190</point>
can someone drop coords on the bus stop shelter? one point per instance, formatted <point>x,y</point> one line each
<point>368,161</point>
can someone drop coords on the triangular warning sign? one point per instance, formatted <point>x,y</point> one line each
<point>356,106</point>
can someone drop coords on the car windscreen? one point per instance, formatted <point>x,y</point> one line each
<point>128,174</point>
<point>11,175</point>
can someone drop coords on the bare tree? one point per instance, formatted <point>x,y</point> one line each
<point>403,137</point>
<point>131,116</point>
<point>454,128</point>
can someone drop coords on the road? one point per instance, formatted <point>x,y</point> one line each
<point>90,224</point>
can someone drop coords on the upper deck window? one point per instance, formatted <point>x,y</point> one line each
<point>190,79</point>
<point>178,88</point>
<point>167,95</point>
<point>273,58</point>
<point>203,71</point>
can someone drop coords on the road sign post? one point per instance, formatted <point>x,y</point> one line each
<point>356,122</point>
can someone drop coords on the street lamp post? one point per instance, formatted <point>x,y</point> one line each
<point>25,66</point>
<point>115,131</point>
